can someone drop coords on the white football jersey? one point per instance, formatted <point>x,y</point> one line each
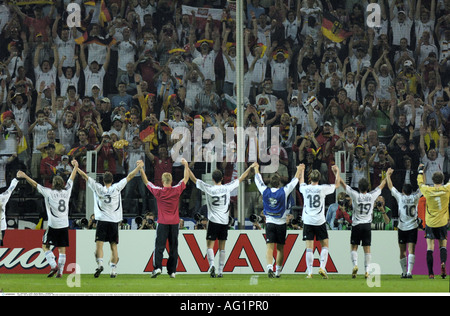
<point>407,209</point>
<point>314,202</point>
<point>4,198</point>
<point>108,201</point>
<point>57,204</point>
<point>218,200</point>
<point>362,205</point>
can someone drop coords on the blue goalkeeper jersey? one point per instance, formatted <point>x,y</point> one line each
<point>274,203</point>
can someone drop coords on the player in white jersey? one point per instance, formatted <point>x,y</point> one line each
<point>313,216</point>
<point>275,202</point>
<point>407,225</point>
<point>217,200</point>
<point>4,198</point>
<point>108,214</point>
<point>363,203</point>
<point>57,206</point>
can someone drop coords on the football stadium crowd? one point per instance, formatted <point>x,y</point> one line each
<point>130,72</point>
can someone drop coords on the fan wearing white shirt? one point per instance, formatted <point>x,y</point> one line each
<point>434,158</point>
<point>64,42</point>
<point>401,26</point>
<point>46,71</point>
<point>314,216</point>
<point>69,77</point>
<point>363,203</point>
<point>94,73</point>
<point>407,226</point>
<point>218,202</point>
<point>127,50</point>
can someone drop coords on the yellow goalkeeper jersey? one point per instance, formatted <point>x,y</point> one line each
<point>437,199</point>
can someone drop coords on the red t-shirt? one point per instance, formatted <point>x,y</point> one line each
<point>106,159</point>
<point>167,199</point>
<point>162,166</point>
<point>48,168</point>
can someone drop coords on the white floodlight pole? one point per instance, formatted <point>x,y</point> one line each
<point>240,144</point>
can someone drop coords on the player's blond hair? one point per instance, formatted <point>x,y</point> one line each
<point>315,175</point>
<point>58,183</point>
<point>166,178</point>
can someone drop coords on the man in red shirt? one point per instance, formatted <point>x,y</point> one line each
<point>40,23</point>
<point>162,163</point>
<point>48,165</point>
<point>167,198</point>
<point>106,155</point>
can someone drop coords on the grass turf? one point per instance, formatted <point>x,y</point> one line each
<point>230,283</point>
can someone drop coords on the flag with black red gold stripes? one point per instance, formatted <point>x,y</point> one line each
<point>333,29</point>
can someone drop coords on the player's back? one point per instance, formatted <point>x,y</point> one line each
<point>407,209</point>
<point>437,200</point>
<point>314,202</point>
<point>108,200</point>
<point>363,204</point>
<point>217,199</point>
<point>57,204</point>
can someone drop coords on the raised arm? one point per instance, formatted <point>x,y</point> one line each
<point>23,175</point>
<point>300,174</point>
<point>186,170</point>
<point>244,175</point>
<point>389,172</point>
<point>75,169</point>
<point>382,184</point>
<point>140,164</point>
<point>192,176</point>
<point>80,172</point>
<point>133,173</point>
<point>337,175</point>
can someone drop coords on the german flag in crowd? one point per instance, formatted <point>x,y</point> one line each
<point>147,133</point>
<point>333,29</point>
<point>104,14</point>
<point>87,39</point>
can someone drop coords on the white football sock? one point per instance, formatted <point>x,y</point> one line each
<point>210,255</point>
<point>411,260</point>
<point>221,260</point>
<point>323,257</point>
<point>403,265</point>
<point>367,261</point>
<point>99,262</point>
<point>354,257</point>
<point>50,258</point>
<point>309,260</point>
<point>278,272</point>
<point>61,262</point>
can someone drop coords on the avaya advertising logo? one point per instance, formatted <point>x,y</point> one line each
<point>243,245</point>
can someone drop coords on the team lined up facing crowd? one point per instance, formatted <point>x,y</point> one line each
<point>382,93</point>
<point>109,214</point>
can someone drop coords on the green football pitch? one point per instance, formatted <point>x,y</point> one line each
<point>230,283</point>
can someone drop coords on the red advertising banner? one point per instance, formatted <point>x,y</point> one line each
<point>22,252</point>
<point>246,252</point>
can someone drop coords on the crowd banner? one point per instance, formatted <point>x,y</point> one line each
<point>30,2</point>
<point>245,251</point>
<point>202,14</point>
